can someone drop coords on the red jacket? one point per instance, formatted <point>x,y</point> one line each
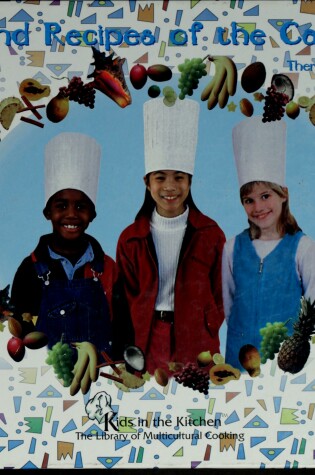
<point>198,303</point>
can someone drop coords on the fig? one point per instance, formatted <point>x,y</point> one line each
<point>292,110</point>
<point>15,327</point>
<point>35,340</point>
<point>246,107</point>
<point>159,72</point>
<point>204,358</point>
<point>223,373</point>
<point>138,76</point>
<point>161,377</point>
<point>57,108</point>
<point>16,348</point>
<point>253,77</point>
<point>250,359</point>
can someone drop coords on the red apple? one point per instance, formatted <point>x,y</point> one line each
<point>16,348</point>
<point>138,76</point>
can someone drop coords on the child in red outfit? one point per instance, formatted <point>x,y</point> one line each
<point>170,257</point>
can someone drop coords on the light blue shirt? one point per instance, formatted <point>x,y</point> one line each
<point>69,269</point>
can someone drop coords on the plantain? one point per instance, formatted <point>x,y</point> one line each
<point>223,84</point>
<point>223,96</point>
<point>86,381</point>
<point>85,370</point>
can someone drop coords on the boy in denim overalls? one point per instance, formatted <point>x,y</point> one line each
<point>68,281</point>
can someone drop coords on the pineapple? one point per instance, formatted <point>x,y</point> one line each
<point>295,350</point>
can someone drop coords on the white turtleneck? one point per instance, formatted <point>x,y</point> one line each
<point>167,234</point>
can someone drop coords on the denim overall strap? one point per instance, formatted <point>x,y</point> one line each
<point>266,290</point>
<point>75,309</point>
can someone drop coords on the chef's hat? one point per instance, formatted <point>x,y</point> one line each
<point>170,135</point>
<point>72,160</point>
<point>259,150</point>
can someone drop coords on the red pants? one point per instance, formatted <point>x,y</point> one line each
<point>159,352</point>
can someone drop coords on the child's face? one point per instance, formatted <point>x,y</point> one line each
<point>263,207</point>
<point>70,213</point>
<point>169,189</point>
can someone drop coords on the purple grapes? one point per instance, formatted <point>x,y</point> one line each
<point>79,92</point>
<point>275,103</point>
<point>193,377</point>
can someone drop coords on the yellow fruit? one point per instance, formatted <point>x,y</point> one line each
<point>57,108</point>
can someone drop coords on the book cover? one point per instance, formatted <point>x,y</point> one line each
<point>50,51</point>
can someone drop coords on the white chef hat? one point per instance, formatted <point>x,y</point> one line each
<point>260,150</point>
<point>170,135</point>
<point>72,160</point>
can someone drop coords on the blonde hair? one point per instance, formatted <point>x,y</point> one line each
<point>287,224</point>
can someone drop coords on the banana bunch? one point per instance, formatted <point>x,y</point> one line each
<point>223,84</point>
<point>85,370</point>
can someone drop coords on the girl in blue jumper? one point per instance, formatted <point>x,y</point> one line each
<point>269,266</point>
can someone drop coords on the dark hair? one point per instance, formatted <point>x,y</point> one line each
<point>149,204</point>
<point>48,205</point>
<point>287,223</point>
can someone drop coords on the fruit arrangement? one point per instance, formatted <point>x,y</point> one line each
<point>16,345</point>
<point>273,334</point>
<point>223,84</point>
<point>139,74</point>
<point>21,327</point>
<point>295,350</point>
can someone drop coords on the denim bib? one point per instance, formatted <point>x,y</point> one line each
<point>75,309</point>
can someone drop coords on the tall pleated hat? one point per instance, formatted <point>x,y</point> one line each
<point>170,135</point>
<point>72,160</point>
<point>260,150</point>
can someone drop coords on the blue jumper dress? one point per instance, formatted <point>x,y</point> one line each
<point>266,290</point>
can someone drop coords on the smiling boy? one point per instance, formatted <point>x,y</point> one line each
<point>68,281</point>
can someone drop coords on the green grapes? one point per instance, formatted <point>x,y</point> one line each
<point>170,96</point>
<point>191,71</point>
<point>61,358</point>
<point>273,334</point>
